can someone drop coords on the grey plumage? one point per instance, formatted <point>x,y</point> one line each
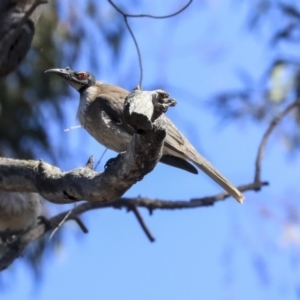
<point>100,112</point>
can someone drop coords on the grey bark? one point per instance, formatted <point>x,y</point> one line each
<point>142,107</point>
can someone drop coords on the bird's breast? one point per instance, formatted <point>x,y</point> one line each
<point>105,130</point>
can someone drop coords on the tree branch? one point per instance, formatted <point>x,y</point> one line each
<point>132,112</point>
<point>128,203</point>
<point>142,223</point>
<point>127,15</point>
<point>118,9</point>
<point>263,143</point>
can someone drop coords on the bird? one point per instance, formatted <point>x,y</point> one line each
<point>100,112</point>
<point>18,213</point>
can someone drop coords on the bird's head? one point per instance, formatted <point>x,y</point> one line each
<point>79,80</point>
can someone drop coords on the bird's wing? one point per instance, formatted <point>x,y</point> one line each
<point>110,99</point>
<point>108,105</point>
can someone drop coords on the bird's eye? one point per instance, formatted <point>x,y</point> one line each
<point>82,75</point>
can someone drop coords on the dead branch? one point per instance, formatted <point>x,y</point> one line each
<point>263,143</point>
<point>127,15</point>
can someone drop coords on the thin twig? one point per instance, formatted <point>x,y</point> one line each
<point>80,224</point>
<point>126,16</point>
<point>142,223</point>
<point>138,52</point>
<point>102,155</point>
<point>266,136</point>
<point>62,222</point>
<point>117,8</point>
<point>72,127</point>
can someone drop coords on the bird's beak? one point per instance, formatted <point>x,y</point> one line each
<point>64,73</point>
<point>69,76</point>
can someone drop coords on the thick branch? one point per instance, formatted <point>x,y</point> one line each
<point>141,108</point>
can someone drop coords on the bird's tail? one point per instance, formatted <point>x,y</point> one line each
<point>177,145</point>
<point>216,175</point>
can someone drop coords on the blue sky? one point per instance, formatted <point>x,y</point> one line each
<point>228,251</point>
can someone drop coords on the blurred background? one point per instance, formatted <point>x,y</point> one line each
<point>232,66</point>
